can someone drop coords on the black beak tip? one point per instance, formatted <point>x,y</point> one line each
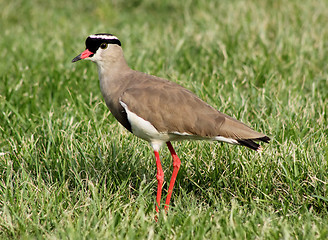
<point>77,58</point>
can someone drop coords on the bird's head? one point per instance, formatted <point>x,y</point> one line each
<point>97,47</point>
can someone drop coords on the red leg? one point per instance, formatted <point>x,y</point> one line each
<point>160,180</point>
<point>176,167</point>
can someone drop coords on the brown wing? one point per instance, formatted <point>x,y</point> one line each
<point>171,108</point>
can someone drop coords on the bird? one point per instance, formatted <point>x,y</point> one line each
<point>158,110</point>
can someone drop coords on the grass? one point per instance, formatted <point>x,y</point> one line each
<point>68,170</point>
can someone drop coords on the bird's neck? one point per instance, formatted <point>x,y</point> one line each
<point>112,78</point>
<point>112,67</point>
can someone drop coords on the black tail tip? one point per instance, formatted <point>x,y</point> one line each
<point>265,139</point>
<point>250,143</point>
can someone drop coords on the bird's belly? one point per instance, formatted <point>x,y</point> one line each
<point>144,129</point>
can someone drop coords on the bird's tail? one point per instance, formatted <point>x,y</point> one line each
<point>251,143</point>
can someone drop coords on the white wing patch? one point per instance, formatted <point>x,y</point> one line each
<point>184,135</point>
<point>224,139</point>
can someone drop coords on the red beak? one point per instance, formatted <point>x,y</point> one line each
<point>83,55</point>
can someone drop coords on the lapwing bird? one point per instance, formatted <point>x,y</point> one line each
<point>160,111</point>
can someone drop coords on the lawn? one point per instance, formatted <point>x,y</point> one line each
<point>68,170</point>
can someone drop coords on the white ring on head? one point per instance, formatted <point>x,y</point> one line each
<point>109,37</point>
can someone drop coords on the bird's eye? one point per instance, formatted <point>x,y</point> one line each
<point>103,45</point>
